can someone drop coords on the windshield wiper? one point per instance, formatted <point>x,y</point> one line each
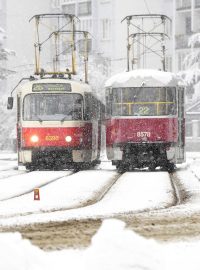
<point>40,120</point>
<point>63,119</point>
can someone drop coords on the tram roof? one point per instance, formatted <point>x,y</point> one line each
<point>76,86</point>
<point>143,78</point>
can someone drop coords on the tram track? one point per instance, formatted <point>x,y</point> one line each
<point>72,201</point>
<point>19,185</point>
<point>78,232</point>
<point>163,223</point>
<point>171,223</point>
<point>10,173</point>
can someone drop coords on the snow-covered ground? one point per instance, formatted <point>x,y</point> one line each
<point>114,246</point>
<point>132,192</point>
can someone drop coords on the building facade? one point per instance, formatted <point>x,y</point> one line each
<point>187,18</point>
<point>103,18</point>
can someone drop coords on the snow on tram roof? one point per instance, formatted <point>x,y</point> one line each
<point>143,77</point>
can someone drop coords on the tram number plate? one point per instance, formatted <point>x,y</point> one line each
<point>52,138</point>
<point>142,134</point>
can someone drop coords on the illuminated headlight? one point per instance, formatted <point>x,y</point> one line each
<point>68,138</point>
<point>34,139</point>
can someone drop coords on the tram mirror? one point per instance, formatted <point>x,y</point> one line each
<point>10,103</point>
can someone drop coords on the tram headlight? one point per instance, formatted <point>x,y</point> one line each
<point>34,138</point>
<point>68,138</point>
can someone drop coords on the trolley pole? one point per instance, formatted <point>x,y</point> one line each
<point>128,44</point>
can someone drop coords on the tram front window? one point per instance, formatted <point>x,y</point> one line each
<point>53,107</point>
<point>146,101</point>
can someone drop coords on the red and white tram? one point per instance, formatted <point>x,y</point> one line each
<point>58,124</point>
<point>145,124</point>
<point>58,118</point>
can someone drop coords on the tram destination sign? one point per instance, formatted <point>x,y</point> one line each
<point>51,87</point>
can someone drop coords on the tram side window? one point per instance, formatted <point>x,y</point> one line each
<point>108,102</point>
<point>120,103</point>
<point>95,108</point>
<point>88,106</point>
<point>117,102</point>
<point>92,107</point>
<point>167,101</point>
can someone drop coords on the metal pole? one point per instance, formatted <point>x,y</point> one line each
<point>163,51</point>
<point>73,48</point>
<point>86,56</point>
<point>128,44</point>
<point>37,47</point>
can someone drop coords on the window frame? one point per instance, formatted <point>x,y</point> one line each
<point>130,110</point>
<point>89,8</point>
<point>78,94</point>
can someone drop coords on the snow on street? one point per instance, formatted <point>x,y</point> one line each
<point>8,173</point>
<point>68,192</point>
<point>24,183</point>
<point>114,246</point>
<point>7,165</point>
<point>133,192</point>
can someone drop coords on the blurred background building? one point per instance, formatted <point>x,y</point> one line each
<point>107,43</point>
<point>187,19</point>
<point>102,19</point>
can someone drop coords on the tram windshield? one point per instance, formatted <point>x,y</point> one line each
<point>53,107</point>
<point>147,101</point>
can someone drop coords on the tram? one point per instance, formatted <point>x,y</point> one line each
<point>145,121</point>
<point>58,116</point>
<point>145,124</point>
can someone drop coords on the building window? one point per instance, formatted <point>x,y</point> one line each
<point>168,63</point>
<point>178,3</point>
<point>86,25</point>
<point>197,3</point>
<point>183,4</point>
<point>55,3</point>
<point>84,8</point>
<point>82,46</point>
<point>106,25</point>
<point>186,3</point>
<point>188,25</point>
<point>70,9</point>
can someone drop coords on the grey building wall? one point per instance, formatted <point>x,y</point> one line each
<point>109,34</point>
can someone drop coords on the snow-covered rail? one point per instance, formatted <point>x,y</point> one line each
<point>104,195</point>
<point>93,194</point>
<point>6,165</point>
<point>21,184</point>
<point>59,191</point>
<point>8,173</point>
